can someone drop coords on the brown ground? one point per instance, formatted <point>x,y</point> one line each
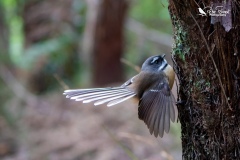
<point>55,128</point>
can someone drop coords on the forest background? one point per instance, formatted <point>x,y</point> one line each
<point>48,46</point>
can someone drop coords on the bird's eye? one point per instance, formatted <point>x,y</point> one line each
<point>155,61</point>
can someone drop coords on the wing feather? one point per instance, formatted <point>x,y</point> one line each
<point>152,119</point>
<point>172,110</point>
<point>162,119</point>
<point>167,117</point>
<point>157,118</point>
<point>156,108</point>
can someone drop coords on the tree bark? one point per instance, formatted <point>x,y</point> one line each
<point>207,63</point>
<point>108,42</point>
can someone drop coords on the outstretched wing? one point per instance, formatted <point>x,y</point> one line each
<point>156,108</point>
<point>100,95</point>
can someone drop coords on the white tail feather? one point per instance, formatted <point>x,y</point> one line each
<point>96,93</point>
<point>110,99</point>
<point>89,89</point>
<point>96,97</point>
<point>100,95</point>
<point>103,97</point>
<point>119,100</point>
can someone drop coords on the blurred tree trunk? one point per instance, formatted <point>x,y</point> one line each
<point>3,35</point>
<point>208,68</point>
<point>104,33</point>
<point>47,22</point>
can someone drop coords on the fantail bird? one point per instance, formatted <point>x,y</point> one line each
<point>151,87</point>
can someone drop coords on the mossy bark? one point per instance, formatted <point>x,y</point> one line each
<point>207,63</point>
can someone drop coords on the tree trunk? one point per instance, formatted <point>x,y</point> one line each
<point>47,24</point>
<point>108,42</point>
<point>3,36</point>
<point>207,62</point>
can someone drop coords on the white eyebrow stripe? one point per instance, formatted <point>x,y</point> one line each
<point>154,59</point>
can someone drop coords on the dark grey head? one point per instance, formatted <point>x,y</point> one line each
<point>155,64</point>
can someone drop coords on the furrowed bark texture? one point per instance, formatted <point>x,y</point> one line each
<point>209,108</point>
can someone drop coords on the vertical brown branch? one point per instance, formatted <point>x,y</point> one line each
<point>108,42</point>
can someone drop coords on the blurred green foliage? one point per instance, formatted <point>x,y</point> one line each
<point>154,14</point>
<point>14,24</point>
<point>60,53</point>
<point>26,57</point>
<point>55,53</point>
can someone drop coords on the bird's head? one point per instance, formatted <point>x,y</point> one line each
<point>155,64</point>
<point>158,64</point>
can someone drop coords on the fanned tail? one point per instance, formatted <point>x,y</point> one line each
<point>100,95</point>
